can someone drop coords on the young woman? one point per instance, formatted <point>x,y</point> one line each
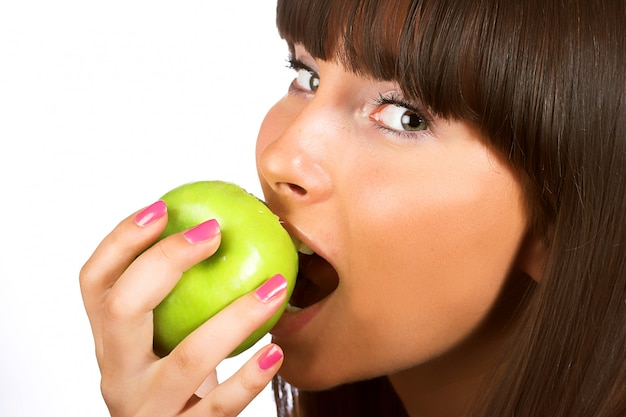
<point>459,171</point>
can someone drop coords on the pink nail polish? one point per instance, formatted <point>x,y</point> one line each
<point>269,358</point>
<point>272,288</point>
<point>202,232</point>
<point>151,213</point>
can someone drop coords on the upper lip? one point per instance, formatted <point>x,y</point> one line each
<point>317,276</point>
<point>299,236</point>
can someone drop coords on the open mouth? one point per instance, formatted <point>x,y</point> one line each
<point>316,280</point>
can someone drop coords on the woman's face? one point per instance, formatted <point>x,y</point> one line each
<point>415,222</point>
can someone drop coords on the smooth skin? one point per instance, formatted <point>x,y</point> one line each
<point>423,228</point>
<point>121,284</point>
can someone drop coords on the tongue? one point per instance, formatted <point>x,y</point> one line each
<point>316,279</point>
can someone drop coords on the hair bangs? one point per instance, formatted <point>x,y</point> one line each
<point>496,64</point>
<point>387,41</point>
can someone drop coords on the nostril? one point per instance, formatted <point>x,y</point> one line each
<point>296,189</point>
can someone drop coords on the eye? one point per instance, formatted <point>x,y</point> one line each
<point>307,80</point>
<point>399,118</point>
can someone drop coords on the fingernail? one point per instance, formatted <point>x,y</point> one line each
<point>269,358</point>
<point>207,385</point>
<point>202,232</point>
<point>151,213</point>
<point>271,288</point>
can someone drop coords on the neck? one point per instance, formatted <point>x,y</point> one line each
<point>448,385</point>
<point>443,387</point>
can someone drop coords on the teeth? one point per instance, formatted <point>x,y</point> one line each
<point>292,309</point>
<point>304,249</point>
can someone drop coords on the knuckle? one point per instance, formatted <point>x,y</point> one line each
<point>163,253</point>
<point>91,274</point>
<point>251,385</point>
<point>128,238</point>
<point>111,395</point>
<point>184,359</point>
<point>120,236</point>
<point>90,280</point>
<point>251,313</point>
<point>107,390</point>
<point>86,276</point>
<point>217,409</point>
<point>116,307</point>
<point>113,398</point>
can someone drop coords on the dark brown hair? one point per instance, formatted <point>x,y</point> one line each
<point>545,81</point>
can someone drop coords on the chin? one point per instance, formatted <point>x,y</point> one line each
<point>307,382</point>
<point>305,378</point>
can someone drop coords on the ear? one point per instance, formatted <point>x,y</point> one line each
<point>532,256</point>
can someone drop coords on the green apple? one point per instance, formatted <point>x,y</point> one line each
<point>254,247</point>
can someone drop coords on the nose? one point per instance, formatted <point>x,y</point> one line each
<point>294,154</point>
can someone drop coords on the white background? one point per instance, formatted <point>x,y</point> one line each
<point>105,106</point>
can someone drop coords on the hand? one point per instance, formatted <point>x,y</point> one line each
<point>124,280</point>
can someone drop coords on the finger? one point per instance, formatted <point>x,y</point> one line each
<point>186,367</point>
<point>127,330</point>
<point>115,253</point>
<point>232,396</point>
<point>207,385</point>
<point>120,247</point>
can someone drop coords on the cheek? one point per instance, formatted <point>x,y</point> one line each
<point>439,260</point>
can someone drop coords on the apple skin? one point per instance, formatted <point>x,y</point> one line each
<point>254,247</point>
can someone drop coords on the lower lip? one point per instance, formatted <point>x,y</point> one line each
<point>291,323</point>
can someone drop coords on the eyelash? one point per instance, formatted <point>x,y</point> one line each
<point>395,100</point>
<point>382,100</point>
<point>297,65</point>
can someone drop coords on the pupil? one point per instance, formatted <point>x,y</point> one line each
<point>411,121</point>
<point>314,82</point>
